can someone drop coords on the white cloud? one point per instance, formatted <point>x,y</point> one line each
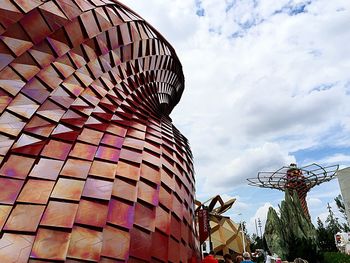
<point>261,82</point>
<point>261,213</point>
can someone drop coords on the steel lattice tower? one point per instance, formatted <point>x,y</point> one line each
<point>296,179</point>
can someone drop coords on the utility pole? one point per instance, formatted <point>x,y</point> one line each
<point>259,224</point>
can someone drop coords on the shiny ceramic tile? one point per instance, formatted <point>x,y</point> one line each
<point>76,168</point>
<point>85,244</point>
<point>24,218</point>
<point>9,190</point>
<point>56,150</point>
<point>116,243</point>
<point>59,214</point>
<point>121,213</point>
<point>17,167</point>
<point>92,213</point>
<point>84,151</point>
<point>36,191</point>
<point>47,169</point>
<point>15,247</point>
<point>103,169</point>
<point>50,244</point>
<point>68,189</point>
<point>4,213</point>
<point>100,189</point>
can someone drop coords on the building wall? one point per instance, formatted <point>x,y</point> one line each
<point>344,183</point>
<point>92,167</point>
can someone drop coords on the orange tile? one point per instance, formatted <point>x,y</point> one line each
<point>15,247</point>
<point>121,213</point>
<point>68,189</point>
<point>9,190</point>
<point>92,213</point>
<point>56,149</point>
<point>99,189</point>
<point>90,136</point>
<point>4,213</point>
<point>59,214</point>
<point>47,169</point>
<point>116,243</point>
<point>83,151</point>
<point>103,169</point>
<point>24,218</point>
<point>36,191</point>
<point>50,244</point>
<point>85,244</point>
<point>148,193</point>
<point>17,166</point>
<point>76,168</point>
<point>108,153</point>
<point>125,189</point>
<point>128,170</point>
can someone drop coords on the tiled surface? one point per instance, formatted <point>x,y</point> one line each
<point>91,167</point>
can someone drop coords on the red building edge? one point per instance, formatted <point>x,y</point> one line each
<point>92,168</point>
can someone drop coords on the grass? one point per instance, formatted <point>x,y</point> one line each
<point>335,257</point>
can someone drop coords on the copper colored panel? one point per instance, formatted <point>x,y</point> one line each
<point>36,191</point>
<point>112,140</point>
<point>120,213</point>
<point>50,244</point>
<point>131,155</point>
<point>150,173</point>
<point>92,213</point>
<point>9,190</point>
<point>15,247</point>
<point>47,169</point>
<point>84,151</point>
<point>90,136</point>
<point>59,214</point>
<point>108,153</point>
<point>148,193</point>
<point>68,189</point>
<point>116,243</point>
<point>24,218</point>
<point>163,220</point>
<point>141,244</point>
<point>99,189</point>
<point>125,189</point>
<point>145,216</point>
<point>56,149</point>
<point>85,244</point>
<point>4,213</point>
<point>76,168</point>
<point>129,171</point>
<point>160,252</point>
<point>17,167</point>
<point>103,169</point>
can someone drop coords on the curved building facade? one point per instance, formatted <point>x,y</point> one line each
<point>92,168</point>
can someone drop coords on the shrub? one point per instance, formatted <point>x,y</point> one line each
<point>335,257</point>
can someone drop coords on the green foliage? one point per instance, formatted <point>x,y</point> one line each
<point>335,257</point>
<point>341,207</point>
<point>292,234</point>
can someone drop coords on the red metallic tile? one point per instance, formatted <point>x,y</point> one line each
<point>116,243</point>
<point>148,193</point>
<point>141,244</point>
<point>120,213</point>
<point>15,247</point>
<point>85,244</point>
<point>76,168</point>
<point>129,171</point>
<point>125,189</point>
<point>145,216</point>
<point>17,167</point>
<point>36,191</point>
<point>50,244</point>
<point>59,214</point>
<point>4,213</point>
<point>9,190</point>
<point>56,149</point>
<point>108,153</point>
<point>47,169</point>
<point>24,218</point>
<point>68,189</point>
<point>99,189</point>
<point>103,169</point>
<point>92,213</point>
<point>83,151</point>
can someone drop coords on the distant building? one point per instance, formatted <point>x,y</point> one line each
<point>344,183</point>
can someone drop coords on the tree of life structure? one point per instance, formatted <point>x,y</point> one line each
<point>293,178</point>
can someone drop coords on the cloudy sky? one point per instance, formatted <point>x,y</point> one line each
<point>267,84</point>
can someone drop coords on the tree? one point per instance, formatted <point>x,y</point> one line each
<point>341,207</point>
